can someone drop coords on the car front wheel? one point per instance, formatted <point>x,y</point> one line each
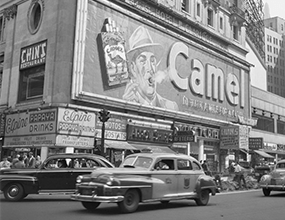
<point>130,202</point>
<point>14,192</point>
<point>266,192</point>
<point>203,199</point>
<point>90,205</point>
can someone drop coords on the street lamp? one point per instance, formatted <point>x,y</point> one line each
<point>104,116</point>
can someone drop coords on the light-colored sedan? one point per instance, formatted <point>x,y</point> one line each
<point>146,177</point>
<point>275,180</point>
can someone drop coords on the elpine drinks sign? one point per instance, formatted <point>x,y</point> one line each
<point>31,128</point>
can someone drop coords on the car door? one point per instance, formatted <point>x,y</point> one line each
<point>164,179</point>
<point>186,177</point>
<point>54,178</point>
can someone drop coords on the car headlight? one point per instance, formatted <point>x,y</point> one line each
<point>79,179</point>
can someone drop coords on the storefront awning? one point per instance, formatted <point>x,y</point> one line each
<point>263,154</point>
<point>121,145</point>
<point>154,148</point>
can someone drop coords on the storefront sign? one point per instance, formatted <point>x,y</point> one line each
<point>200,131</point>
<point>255,143</point>
<point>74,141</point>
<point>35,140</point>
<point>31,123</point>
<point>184,136</point>
<point>33,55</point>
<point>148,134</point>
<point>243,137</point>
<point>115,129</point>
<point>76,122</point>
<point>270,146</point>
<point>229,137</point>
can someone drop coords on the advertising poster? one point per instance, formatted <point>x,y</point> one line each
<point>134,63</point>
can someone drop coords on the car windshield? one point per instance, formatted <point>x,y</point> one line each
<point>143,162</point>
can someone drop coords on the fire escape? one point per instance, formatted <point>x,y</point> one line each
<point>255,26</point>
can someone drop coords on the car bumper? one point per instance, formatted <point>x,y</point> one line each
<point>95,198</point>
<point>273,187</point>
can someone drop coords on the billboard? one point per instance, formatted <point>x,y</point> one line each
<point>136,64</point>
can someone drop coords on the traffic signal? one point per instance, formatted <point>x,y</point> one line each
<point>104,115</point>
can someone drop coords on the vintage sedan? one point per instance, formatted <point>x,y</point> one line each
<point>57,174</point>
<point>146,177</point>
<point>275,180</point>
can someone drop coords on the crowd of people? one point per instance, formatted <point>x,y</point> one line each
<point>21,161</point>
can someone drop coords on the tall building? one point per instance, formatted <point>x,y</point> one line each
<point>267,137</point>
<point>172,74</point>
<point>275,55</point>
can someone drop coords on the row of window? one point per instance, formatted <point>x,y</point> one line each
<point>211,16</point>
<point>275,40</point>
<point>267,124</point>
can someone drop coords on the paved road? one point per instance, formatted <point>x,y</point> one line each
<point>241,205</point>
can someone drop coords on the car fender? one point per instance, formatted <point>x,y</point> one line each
<point>29,183</point>
<point>206,182</point>
<point>265,179</point>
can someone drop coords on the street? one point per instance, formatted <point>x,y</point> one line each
<point>224,206</point>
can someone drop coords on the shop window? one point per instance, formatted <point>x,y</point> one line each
<point>31,84</point>
<point>2,28</point>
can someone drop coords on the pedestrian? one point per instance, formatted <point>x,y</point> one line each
<point>5,163</point>
<point>20,163</point>
<point>31,161</point>
<point>38,161</point>
<point>15,160</point>
<point>239,175</point>
<point>206,168</point>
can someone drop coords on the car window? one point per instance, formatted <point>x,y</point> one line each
<point>128,161</point>
<point>143,162</point>
<point>164,164</point>
<point>183,164</point>
<point>51,164</point>
<point>280,165</point>
<point>58,163</point>
<point>196,166</point>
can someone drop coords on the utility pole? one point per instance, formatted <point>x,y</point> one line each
<point>104,116</point>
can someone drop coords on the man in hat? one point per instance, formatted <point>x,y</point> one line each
<point>144,56</point>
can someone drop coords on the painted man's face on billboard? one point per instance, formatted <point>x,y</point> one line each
<point>144,69</point>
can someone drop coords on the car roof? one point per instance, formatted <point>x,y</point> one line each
<point>159,155</point>
<point>74,155</point>
<point>281,161</point>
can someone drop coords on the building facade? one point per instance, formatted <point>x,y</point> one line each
<point>172,75</point>
<point>275,55</point>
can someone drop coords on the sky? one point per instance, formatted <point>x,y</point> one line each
<point>276,8</point>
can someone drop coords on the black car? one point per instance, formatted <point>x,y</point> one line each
<point>57,174</point>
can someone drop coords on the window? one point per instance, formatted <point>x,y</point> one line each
<point>164,164</point>
<point>2,28</point>
<point>264,123</point>
<point>184,164</point>
<point>31,84</point>
<point>184,5</point>
<point>1,72</point>
<point>221,23</point>
<point>198,9</point>
<point>235,32</point>
<point>35,16</point>
<point>210,17</point>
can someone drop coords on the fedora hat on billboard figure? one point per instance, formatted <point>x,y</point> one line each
<point>141,41</point>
